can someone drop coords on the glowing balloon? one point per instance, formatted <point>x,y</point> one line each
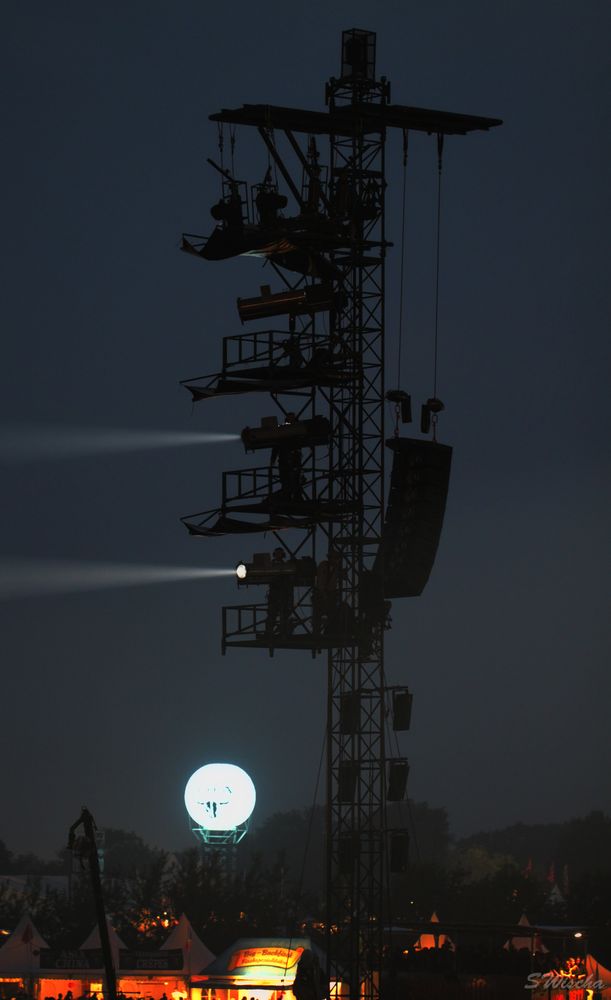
<point>220,796</point>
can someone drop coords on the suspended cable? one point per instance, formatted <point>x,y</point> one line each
<point>221,141</point>
<point>232,135</point>
<point>311,819</point>
<point>307,843</point>
<point>402,267</point>
<point>439,172</point>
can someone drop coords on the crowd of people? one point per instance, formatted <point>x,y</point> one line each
<point>92,995</point>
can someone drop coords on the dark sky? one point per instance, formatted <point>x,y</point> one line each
<point>113,698</point>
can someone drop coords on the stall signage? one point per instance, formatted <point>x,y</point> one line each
<point>169,958</point>
<point>71,958</point>
<point>282,958</point>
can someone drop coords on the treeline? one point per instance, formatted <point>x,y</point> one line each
<point>561,850</point>
<point>557,873</point>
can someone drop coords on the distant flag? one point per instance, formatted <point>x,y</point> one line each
<point>551,875</point>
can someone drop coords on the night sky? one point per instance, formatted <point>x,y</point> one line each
<point>112,698</point>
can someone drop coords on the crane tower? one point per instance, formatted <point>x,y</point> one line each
<point>317,349</point>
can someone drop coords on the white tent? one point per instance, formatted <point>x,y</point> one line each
<point>93,941</point>
<point>20,953</point>
<point>532,942</point>
<point>429,940</point>
<point>195,954</point>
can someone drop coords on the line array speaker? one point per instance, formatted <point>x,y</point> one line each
<point>414,517</point>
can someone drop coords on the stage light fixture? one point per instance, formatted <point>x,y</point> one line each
<point>293,433</point>
<point>433,406</point>
<point>264,569</point>
<point>403,401</point>
<point>294,302</point>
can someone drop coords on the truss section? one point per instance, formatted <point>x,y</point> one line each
<point>329,255</point>
<point>274,361</point>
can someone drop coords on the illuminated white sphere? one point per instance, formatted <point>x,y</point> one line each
<point>241,571</point>
<point>220,796</point>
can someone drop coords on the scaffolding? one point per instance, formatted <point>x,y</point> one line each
<point>327,364</point>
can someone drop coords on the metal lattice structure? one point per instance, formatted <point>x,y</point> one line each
<point>356,755</point>
<point>324,372</point>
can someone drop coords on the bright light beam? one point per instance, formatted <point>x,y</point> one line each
<point>40,443</point>
<point>21,578</point>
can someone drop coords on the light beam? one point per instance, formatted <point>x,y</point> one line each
<point>40,443</point>
<point>21,578</point>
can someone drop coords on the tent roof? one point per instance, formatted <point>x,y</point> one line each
<point>93,941</point>
<point>255,960</point>
<point>196,956</point>
<point>20,951</point>
<point>432,940</point>
<point>530,942</point>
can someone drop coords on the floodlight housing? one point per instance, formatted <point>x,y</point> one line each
<point>296,434</point>
<point>264,570</point>
<point>294,302</point>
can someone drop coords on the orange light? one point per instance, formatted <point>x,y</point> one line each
<point>283,958</point>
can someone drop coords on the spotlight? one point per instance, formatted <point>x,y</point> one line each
<point>292,433</point>
<point>294,302</point>
<point>267,567</point>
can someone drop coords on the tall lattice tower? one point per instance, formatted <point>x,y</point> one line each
<point>338,558</point>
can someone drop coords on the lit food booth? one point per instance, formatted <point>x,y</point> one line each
<point>140,973</point>
<point>259,968</point>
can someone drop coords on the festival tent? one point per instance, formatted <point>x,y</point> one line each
<point>94,941</point>
<point>431,940</point>
<point>532,942</point>
<point>255,967</point>
<point>154,973</point>
<point>195,954</point>
<point>77,970</point>
<point>20,953</point>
